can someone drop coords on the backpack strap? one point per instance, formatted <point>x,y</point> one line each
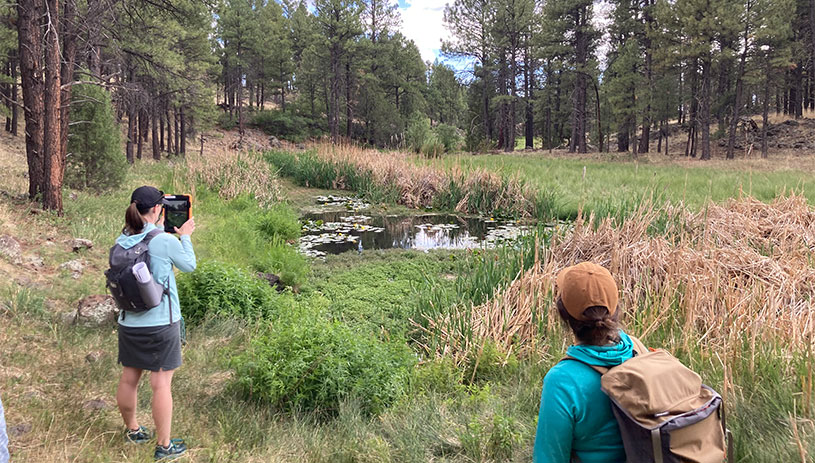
<point>146,240</point>
<point>597,368</point>
<point>638,348</point>
<point>152,234</point>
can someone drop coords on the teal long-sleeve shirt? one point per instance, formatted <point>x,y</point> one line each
<point>575,422</point>
<point>165,251</point>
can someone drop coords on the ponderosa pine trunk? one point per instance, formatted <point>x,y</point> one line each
<point>530,113</point>
<point>29,39</point>
<point>734,121</point>
<point>53,169</point>
<point>160,118</point>
<point>14,110</point>
<point>765,116</point>
<point>704,108</point>
<point>183,131</point>
<point>177,132</point>
<point>349,109</point>
<point>139,126</point>
<point>154,136</point>
<point>578,141</point>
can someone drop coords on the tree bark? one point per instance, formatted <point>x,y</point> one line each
<point>530,113</point>
<point>154,136</point>
<point>765,109</point>
<point>139,130</point>
<point>53,168</point>
<point>160,118</point>
<point>177,131</point>
<point>578,141</point>
<point>599,117</point>
<point>349,109</point>
<point>734,121</point>
<point>183,132</point>
<point>29,13</point>
<point>704,108</point>
<point>14,109</point>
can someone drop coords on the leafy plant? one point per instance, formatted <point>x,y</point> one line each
<point>279,221</point>
<point>448,136</point>
<point>308,362</point>
<point>216,289</point>
<point>418,133</point>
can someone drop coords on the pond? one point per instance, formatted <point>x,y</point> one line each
<point>337,231</point>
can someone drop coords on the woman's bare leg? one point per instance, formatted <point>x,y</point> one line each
<point>161,382</point>
<point>126,396</point>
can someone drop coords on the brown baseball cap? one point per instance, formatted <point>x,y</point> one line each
<point>587,285</point>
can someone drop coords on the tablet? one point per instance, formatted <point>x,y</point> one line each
<point>177,210</point>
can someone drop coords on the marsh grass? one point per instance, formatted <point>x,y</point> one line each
<point>727,290</point>
<point>393,177</point>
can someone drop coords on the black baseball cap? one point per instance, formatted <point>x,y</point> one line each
<point>146,197</point>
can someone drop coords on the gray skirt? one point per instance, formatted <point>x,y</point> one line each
<point>151,348</point>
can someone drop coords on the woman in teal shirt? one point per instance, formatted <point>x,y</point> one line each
<point>575,422</point>
<point>151,340</point>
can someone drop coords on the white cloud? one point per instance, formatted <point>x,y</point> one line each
<point>423,22</point>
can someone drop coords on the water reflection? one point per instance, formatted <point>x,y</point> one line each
<point>337,232</point>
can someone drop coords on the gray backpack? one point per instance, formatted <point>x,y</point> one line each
<point>121,282</point>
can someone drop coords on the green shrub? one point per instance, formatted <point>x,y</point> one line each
<point>279,221</point>
<point>307,362</point>
<point>226,121</point>
<point>432,148</point>
<point>284,261</point>
<point>216,289</point>
<point>95,158</point>
<point>285,125</point>
<point>418,133</point>
<point>448,136</point>
<point>440,376</point>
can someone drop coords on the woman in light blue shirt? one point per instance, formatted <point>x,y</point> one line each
<point>151,340</point>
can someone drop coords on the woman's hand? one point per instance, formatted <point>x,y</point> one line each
<point>160,222</point>
<point>187,228</point>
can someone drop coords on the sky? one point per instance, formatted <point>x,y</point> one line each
<point>423,22</point>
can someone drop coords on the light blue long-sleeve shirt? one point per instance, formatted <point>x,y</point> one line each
<point>575,417</point>
<point>165,251</point>
<point>4,455</point>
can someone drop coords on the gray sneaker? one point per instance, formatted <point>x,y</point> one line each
<point>137,436</point>
<point>176,448</point>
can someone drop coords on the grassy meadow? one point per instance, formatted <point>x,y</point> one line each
<point>607,183</point>
<point>404,356</point>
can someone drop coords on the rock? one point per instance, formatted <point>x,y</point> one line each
<point>68,318</point>
<point>76,267</point>
<point>10,249</point>
<point>34,395</point>
<point>94,357</point>
<point>95,405</point>
<point>275,143</point>
<point>19,430</point>
<point>273,280</point>
<point>96,310</point>
<point>34,261</point>
<point>78,244</point>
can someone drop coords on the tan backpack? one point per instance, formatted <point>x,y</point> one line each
<point>665,413</point>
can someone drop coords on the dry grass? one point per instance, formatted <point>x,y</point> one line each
<point>733,272</point>
<point>420,185</point>
<point>232,173</point>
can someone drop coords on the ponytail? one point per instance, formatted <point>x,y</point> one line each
<point>134,222</point>
<point>598,329</point>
